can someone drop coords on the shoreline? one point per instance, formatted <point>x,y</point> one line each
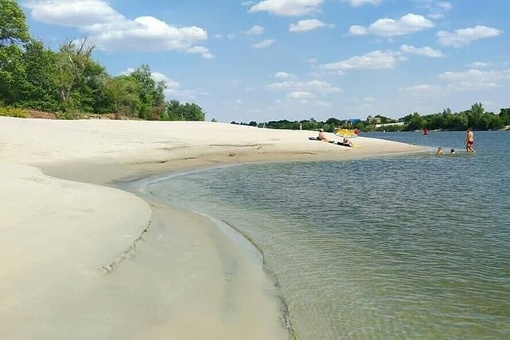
<point>83,159</point>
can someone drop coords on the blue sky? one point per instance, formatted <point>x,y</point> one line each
<point>297,59</point>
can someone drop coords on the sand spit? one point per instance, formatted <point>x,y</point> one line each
<point>82,259</point>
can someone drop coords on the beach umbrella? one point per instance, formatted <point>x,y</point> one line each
<point>345,133</point>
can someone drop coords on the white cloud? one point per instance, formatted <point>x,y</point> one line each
<point>476,75</point>
<point>409,23</point>
<point>419,89</point>
<point>247,3</point>
<point>287,7</point>
<point>283,75</point>
<point>444,5</point>
<point>307,25</point>
<point>472,80</point>
<point>111,31</point>
<point>425,51</point>
<point>357,3</point>
<point>300,95</point>
<point>313,86</point>
<point>264,43</point>
<point>254,30</point>
<point>371,61</point>
<point>438,9</point>
<point>479,64</point>
<point>204,51</point>
<point>465,36</point>
<point>229,36</point>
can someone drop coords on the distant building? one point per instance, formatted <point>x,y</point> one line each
<point>389,124</point>
<point>373,120</point>
<point>354,121</point>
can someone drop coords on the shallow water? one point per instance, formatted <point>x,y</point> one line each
<point>399,247</point>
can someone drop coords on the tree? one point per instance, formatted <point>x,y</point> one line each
<point>150,92</point>
<point>13,33</point>
<point>40,89</point>
<point>74,60</point>
<point>122,91</point>
<point>13,26</point>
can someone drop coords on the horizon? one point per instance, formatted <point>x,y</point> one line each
<point>296,60</point>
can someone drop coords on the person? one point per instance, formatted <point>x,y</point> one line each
<point>347,142</point>
<point>452,151</point>
<point>322,136</point>
<point>470,140</point>
<point>439,151</point>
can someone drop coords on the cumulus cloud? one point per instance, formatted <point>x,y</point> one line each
<point>111,31</point>
<point>409,23</point>
<point>300,95</point>
<point>424,51</point>
<point>476,75</point>
<point>308,25</point>
<point>287,7</point>
<point>254,30</point>
<point>312,86</point>
<point>420,89</point>
<point>474,79</point>
<point>283,75</point>
<point>264,43</point>
<point>357,3</point>
<point>479,64</point>
<point>466,36</point>
<point>465,81</point>
<point>370,61</point>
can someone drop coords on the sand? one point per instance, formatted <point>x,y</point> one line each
<point>83,259</point>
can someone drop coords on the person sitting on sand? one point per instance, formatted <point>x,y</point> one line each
<point>322,136</point>
<point>347,142</point>
<point>452,152</point>
<point>439,151</point>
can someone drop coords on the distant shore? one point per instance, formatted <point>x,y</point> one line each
<point>82,257</point>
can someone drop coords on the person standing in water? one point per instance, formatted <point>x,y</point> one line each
<point>470,140</point>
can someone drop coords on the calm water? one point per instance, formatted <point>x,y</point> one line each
<point>409,247</point>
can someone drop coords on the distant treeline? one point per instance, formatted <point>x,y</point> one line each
<point>69,82</point>
<point>475,118</point>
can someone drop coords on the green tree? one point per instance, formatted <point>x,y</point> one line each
<point>122,91</point>
<point>75,59</point>
<point>40,88</point>
<point>150,92</point>
<point>13,35</point>
<point>13,26</point>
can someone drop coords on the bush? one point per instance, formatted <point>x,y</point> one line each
<point>13,112</point>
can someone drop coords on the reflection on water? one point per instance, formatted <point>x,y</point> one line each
<point>402,247</point>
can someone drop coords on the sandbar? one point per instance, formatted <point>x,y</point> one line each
<point>83,259</point>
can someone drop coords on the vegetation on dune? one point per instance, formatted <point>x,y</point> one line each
<point>71,83</point>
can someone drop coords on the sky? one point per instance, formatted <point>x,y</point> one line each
<point>298,59</point>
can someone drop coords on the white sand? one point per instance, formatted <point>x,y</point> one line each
<point>72,264</point>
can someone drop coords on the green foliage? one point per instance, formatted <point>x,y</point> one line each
<point>188,112</point>
<point>13,26</point>
<point>71,83</point>
<point>13,112</point>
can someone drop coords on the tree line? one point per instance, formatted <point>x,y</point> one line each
<point>70,82</point>
<point>475,118</point>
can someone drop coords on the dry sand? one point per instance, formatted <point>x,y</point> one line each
<point>81,259</point>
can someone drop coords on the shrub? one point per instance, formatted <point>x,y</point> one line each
<point>13,112</point>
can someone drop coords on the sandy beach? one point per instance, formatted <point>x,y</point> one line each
<point>83,259</point>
